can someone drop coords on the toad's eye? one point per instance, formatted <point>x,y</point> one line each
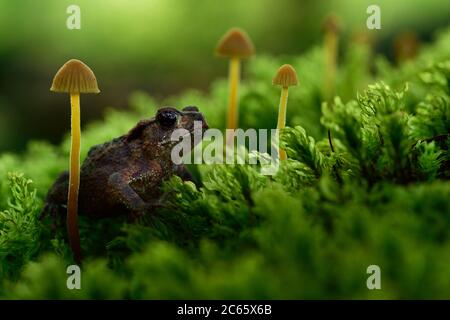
<point>167,118</point>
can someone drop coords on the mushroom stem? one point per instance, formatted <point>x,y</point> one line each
<point>74,179</point>
<point>331,43</point>
<point>234,75</point>
<point>282,116</point>
<point>331,49</point>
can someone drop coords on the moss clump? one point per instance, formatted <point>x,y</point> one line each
<point>20,231</point>
<point>310,231</point>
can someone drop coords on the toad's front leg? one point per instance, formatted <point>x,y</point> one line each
<point>127,187</point>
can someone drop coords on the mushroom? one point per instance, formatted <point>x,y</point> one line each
<point>74,77</point>
<point>331,28</point>
<point>285,77</point>
<point>235,45</point>
<point>406,46</point>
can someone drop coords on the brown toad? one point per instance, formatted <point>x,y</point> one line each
<point>123,176</point>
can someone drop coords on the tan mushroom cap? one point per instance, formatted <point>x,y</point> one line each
<point>332,23</point>
<point>235,43</point>
<point>406,45</point>
<point>75,77</point>
<point>286,76</point>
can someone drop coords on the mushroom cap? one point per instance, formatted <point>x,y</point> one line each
<point>332,23</point>
<point>235,43</point>
<point>363,37</point>
<point>75,77</point>
<point>286,76</point>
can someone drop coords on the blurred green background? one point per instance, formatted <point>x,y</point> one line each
<point>161,47</point>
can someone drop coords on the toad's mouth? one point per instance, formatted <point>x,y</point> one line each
<point>197,132</point>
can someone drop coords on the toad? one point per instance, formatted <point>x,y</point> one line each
<point>122,177</point>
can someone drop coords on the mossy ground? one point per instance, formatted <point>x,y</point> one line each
<point>310,231</point>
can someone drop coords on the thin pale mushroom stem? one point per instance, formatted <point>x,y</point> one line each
<point>331,45</point>
<point>234,76</point>
<point>282,117</point>
<point>74,179</point>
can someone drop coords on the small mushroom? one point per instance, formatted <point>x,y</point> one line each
<point>331,28</point>
<point>285,77</point>
<point>235,45</point>
<point>406,46</point>
<point>74,77</point>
